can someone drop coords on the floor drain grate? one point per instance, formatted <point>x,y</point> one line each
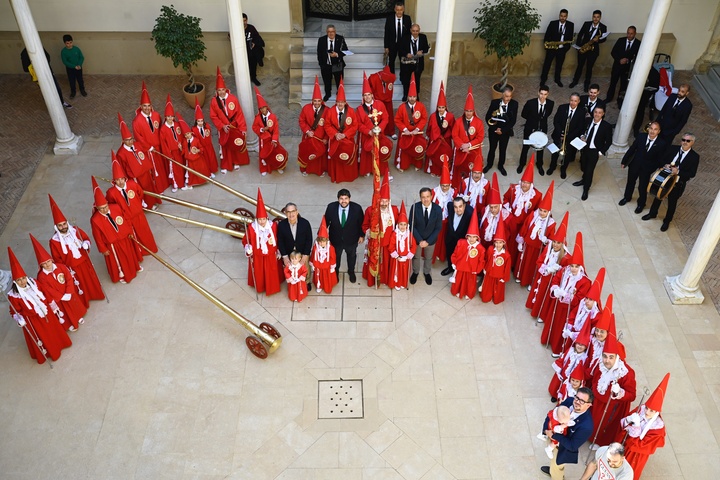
<point>340,399</point>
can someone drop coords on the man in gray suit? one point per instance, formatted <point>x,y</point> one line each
<point>425,224</point>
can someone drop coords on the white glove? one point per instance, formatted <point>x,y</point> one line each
<point>558,428</point>
<point>615,388</point>
<point>521,247</point>
<point>566,333</point>
<point>553,268</point>
<point>635,419</point>
<point>60,315</point>
<point>66,297</point>
<point>394,255</point>
<point>332,269</point>
<point>402,259</point>
<point>543,269</point>
<point>86,245</point>
<point>502,281</point>
<point>20,320</point>
<point>248,250</point>
<point>410,255</point>
<point>144,204</point>
<point>543,238</point>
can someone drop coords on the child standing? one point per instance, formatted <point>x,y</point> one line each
<point>73,59</point>
<point>402,249</point>
<point>295,274</point>
<point>201,130</point>
<point>497,268</point>
<point>468,260</point>
<point>323,261</point>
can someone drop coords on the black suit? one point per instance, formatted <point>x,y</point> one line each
<point>390,41</point>
<point>587,33</point>
<point>641,163</point>
<point>620,71</point>
<point>588,107</point>
<point>574,129</point>
<point>555,34</point>
<point>535,122</point>
<point>345,238</point>
<point>589,156</point>
<point>331,67</point>
<point>302,242</point>
<point>506,128</point>
<point>688,170</point>
<point>452,235</point>
<point>427,231</point>
<point>406,47</point>
<point>672,119</point>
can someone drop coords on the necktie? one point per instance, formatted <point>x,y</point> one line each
<point>681,156</point>
<point>572,110</point>
<point>152,129</point>
<point>542,109</point>
<point>560,30</point>
<point>398,34</point>
<point>332,49</point>
<point>590,133</point>
<point>340,119</point>
<point>427,214</point>
<point>627,47</point>
<point>343,218</point>
<point>172,129</point>
<point>132,149</point>
<point>264,120</point>
<point>112,222</point>
<point>504,109</point>
<point>677,102</point>
<point>127,200</point>
<point>647,145</point>
<point>414,47</point>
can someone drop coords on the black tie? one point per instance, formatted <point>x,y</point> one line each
<point>647,145</point>
<point>132,149</point>
<point>677,102</point>
<point>189,145</point>
<point>627,47</point>
<point>264,120</point>
<point>590,133</point>
<point>414,47</point>
<point>172,129</point>
<point>570,115</point>
<point>427,216</point>
<point>560,30</point>
<point>398,34</point>
<point>112,221</point>
<point>127,200</point>
<point>542,110</point>
<point>340,118</point>
<point>152,129</point>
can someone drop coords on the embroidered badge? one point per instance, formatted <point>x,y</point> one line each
<point>119,220</point>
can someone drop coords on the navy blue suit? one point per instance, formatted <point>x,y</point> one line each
<point>427,231</point>
<point>576,436</point>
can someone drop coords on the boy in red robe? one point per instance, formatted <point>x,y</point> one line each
<point>146,126</point>
<point>193,153</point>
<point>497,268</point>
<point>266,126</point>
<point>323,261</point>
<point>172,147</point>
<point>533,236</point>
<point>260,241</point>
<point>439,132</point>
<point>551,259</point>
<point>312,151</point>
<point>202,132</point>
<point>341,125</point>
<point>229,120</point>
<point>468,260</point>
<point>295,275</point>
<point>402,247</point>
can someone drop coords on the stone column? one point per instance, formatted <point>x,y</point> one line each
<point>443,42</point>
<point>684,289</point>
<point>66,142</point>
<point>643,64</point>
<point>243,87</point>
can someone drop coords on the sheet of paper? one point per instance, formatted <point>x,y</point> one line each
<point>348,53</point>
<point>577,143</point>
<point>552,148</point>
<point>604,35</point>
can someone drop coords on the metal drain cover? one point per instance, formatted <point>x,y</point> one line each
<point>340,399</point>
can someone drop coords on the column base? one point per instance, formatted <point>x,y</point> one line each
<point>681,295</point>
<point>253,145</point>
<point>68,147</point>
<point>617,151</point>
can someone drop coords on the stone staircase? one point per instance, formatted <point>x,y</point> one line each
<point>708,86</point>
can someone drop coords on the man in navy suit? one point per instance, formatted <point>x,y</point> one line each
<point>570,442</point>
<point>397,26</point>
<point>294,234</point>
<point>675,113</point>
<point>642,159</point>
<point>457,226</point>
<point>344,221</point>
<point>425,225</point>
<point>598,138</point>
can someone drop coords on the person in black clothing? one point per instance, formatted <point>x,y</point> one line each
<point>501,116</point>
<point>598,136</point>
<point>568,124</point>
<point>591,100</point>
<point>536,113</point>
<point>412,50</point>
<point>675,113</point>
<point>652,84</point>
<point>425,225</point>
<point>590,33</point>
<point>255,49</point>
<point>397,26</point>
<point>457,226</point>
<point>642,159</point>
<point>344,221</point>
<point>294,234</point>
<point>25,59</point>
<point>558,31</point>
<point>330,55</point>
<point>624,52</point>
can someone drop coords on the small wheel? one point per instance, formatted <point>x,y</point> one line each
<point>270,330</point>
<point>244,212</point>
<point>256,347</point>
<point>235,226</point>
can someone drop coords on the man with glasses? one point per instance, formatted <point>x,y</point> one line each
<point>683,161</point>
<point>295,235</point>
<point>574,437</point>
<point>609,463</point>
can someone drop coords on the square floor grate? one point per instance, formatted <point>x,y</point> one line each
<point>340,399</point>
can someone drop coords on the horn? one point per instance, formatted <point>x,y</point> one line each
<point>264,339</point>
<point>229,231</point>
<point>273,211</point>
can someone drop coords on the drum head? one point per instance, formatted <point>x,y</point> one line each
<point>538,140</point>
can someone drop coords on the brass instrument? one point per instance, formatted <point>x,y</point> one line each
<point>495,114</point>
<point>591,44</point>
<point>264,339</point>
<point>647,126</point>
<point>561,155</point>
<point>556,45</point>
<point>229,231</point>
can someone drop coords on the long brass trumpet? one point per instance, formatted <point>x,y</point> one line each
<point>264,339</point>
<point>234,217</point>
<point>234,233</point>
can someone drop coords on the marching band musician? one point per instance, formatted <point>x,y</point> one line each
<point>500,117</point>
<point>568,124</point>
<point>558,31</point>
<point>641,160</point>
<point>590,36</point>
<point>536,113</point>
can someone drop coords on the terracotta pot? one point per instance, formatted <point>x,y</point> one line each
<point>200,95</point>
<point>494,90</point>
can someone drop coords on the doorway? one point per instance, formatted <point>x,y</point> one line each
<point>348,10</point>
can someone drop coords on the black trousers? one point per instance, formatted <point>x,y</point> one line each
<point>73,77</point>
<point>642,178</point>
<point>351,252</point>
<point>406,71</point>
<point>559,57</point>
<point>538,156</point>
<point>672,200</point>
<point>392,55</point>
<point>327,76</point>
<point>619,74</point>
<point>450,245</point>
<point>252,64</point>
<point>585,58</point>
<point>588,161</point>
<point>495,141</point>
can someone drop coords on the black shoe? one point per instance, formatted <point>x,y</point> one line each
<point>326,98</point>
<point>608,99</point>
<point>579,183</point>
<point>256,81</point>
<point>586,88</point>
<point>83,93</point>
<point>649,216</point>
<point>502,171</point>
<point>550,170</point>
<point>572,84</point>
<point>541,171</point>
<point>487,168</point>
<point>584,196</point>
<point>428,277</point>
<point>622,201</point>
<point>558,83</point>
<point>413,278</point>
<point>261,63</point>
<point>553,399</point>
<point>352,277</point>
<point>72,95</point>
<point>446,272</point>
<point>545,470</point>
<point>639,209</point>
<point>665,226</point>
<point>520,168</point>
<point>563,174</point>
<point>309,287</point>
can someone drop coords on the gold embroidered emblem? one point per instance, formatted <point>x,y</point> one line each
<point>119,220</point>
<point>61,278</point>
<point>499,261</point>
<point>270,123</point>
<point>178,131</point>
<point>141,155</point>
<point>416,115</point>
<point>239,142</point>
<point>444,124</point>
<point>207,132</point>
<point>156,124</point>
<point>384,150</point>
<point>321,122</point>
<point>473,252</point>
<point>344,156</point>
<point>348,121</point>
<point>312,156</point>
<point>131,194</point>
<point>471,130</point>
<point>419,149</point>
<point>279,157</point>
<point>390,86</point>
<point>231,106</point>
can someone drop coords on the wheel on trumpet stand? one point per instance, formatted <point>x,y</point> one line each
<point>270,330</point>
<point>244,212</point>
<point>238,227</point>
<point>256,347</point>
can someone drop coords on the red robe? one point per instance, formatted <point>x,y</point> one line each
<point>563,368</point>
<point>194,155</point>
<point>315,161</point>
<point>384,240</point>
<point>415,154</point>
<point>497,273</point>
<point>534,233</point>
<point>324,277</point>
<point>475,193</point>
<point>518,214</point>
<point>401,253</point>
<point>82,266</point>
<point>556,311</point>
<point>638,451</point>
<point>468,261</point>
<point>545,269</point>
<point>264,271</point>
<point>439,142</point>
<point>208,150</point>
<point>271,157</point>
<point>123,259</point>
<point>442,199</point>
<point>365,125</point>
<point>148,140</point>
<point>296,282</point>
<point>171,145</point>
<point>138,165</point>
<point>342,154</point>
<point>610,428</point>
<point>463,162</point>
<point>45,328</point>
<point>383,92</point>
<point>232,142</point>
<point>55,285</point>
<point>133,211</point>
<point>487,231</point>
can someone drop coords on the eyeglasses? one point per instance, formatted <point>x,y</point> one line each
<point>580,401</point>
<point>290,211</point>
<point>687,140</point>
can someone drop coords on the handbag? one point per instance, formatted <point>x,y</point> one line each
<point>337,67</point>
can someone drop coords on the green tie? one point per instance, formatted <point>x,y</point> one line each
<point>343,218</point>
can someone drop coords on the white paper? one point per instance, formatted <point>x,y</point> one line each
<point>498,119</point>
<point>348,53</point>
<point>577,143</point>
<point>552,148</point>
<point>604,35</point>
<point>527,142</point>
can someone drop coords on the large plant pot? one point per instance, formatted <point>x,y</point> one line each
<point>200,95</point>
<point>495,90</point>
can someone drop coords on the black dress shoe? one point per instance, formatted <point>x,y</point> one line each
<point>487,168</point>
<point>639,209</point>
<point>622,201</point>
<point>502,171</point>
<point>352,277</point>
<point>586,88</point>
<point>256,81</point>
<point>428,278</point>
<point>584,196</point>
<point>83,93</point>
<point>446,272</point>
<point>545,470</point>
<point>665,226</point>
<point>649,216</point>
<point>579,183</point>
<point>326,98</point>
<point>413,278</point>
<point>553,399</point>
<point>558,83</point>
<point>541,171</point>
<point>519,169</point>
<point>563,174</point>
<point>72,95</point>
<point>572,84</point>
<point>309,287</point>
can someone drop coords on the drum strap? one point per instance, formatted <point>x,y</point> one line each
<point>410,114</point>
<point>318,116</point>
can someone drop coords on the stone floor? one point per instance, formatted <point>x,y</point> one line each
<point>159,384</point>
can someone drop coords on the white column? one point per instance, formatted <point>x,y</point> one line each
<point>684,289</point>
<point>243,87</point>
<point>643,64</point>
<point>443,42</point>
<point>66,142</point>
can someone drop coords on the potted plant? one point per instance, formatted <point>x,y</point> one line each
<point>506,26</point>
<point>179,37</point>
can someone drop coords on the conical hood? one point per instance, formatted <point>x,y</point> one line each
<point>529,173</point>
<point>547,199</point>
<point>144,95</point>
<point>41,254</point>
<point>596,288</point>
<point>198,111</point>
<point>124,130</point>
<point>603,320</point>
<point>15,268</point>
<point>612,345</point>
<point>441,100</point>
<point>473,228</point>
<point>219,81</point>
<point>260,100</point>
<point>385,188</point>
<point>469,100</point>
<point>341,92</point>
<point>578,258</point>
<point>445,175</point>
<point>494,197</point>
<point>317,93</point>
<point>323,231</point>
<point>366,85</point>
<point>655,402</point>
<point>57,214</point>
<point>98,197</point>
<point>117,169</point>
<point>184,127</point>
<point>412,91</point>
<point>169,110</point>
<point>578,372</point>
<point>560,234</point>
<point>402,217</point>
<point>583,337</point>
<point>260,208</point>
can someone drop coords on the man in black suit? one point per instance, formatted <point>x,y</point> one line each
<point>598,138</point>
<point>330,55</point>
<point>536,113</point>
<point>675,113</point>
<point>558,31</point>
<point>642,158</point>
<point>591,100</point>
<point>412,50</point>
<point>425,224</point>
<point>294,234</point>
<point>569,443</point>
<point>397,26</point>
<point>255,49</point>
<point>591,32</point>
<point>501,116</point>
<point>457,226</point>
<point>624,52</point>
<point>569,117</point>
<point>344,220</point>
<point>683,161</point>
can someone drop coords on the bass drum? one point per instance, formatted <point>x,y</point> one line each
<point>538,140</point>
<point>662,183</point>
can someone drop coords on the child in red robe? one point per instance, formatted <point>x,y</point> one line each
<point>468,260</point>
<point>402,249</point>
<point>193,153</point>
<point>497,268</point>
<point>202,132</point>
<point>295,275</point>
<point>323,261</point>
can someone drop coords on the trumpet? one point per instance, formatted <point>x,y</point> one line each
<point>647,126</point>
<point>556,45</point>
<point>561,155</point>
<point>495,114</point>
<point>589,46</point>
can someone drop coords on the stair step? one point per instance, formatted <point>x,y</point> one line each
<point>709,89</point>
<point>714,73</point>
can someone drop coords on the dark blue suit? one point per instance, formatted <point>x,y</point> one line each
<point>427,231</point>
<point>576,436</point>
